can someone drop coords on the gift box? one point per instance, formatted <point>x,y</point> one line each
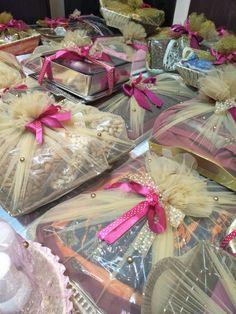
<point>118,14</point>
<point>205,127</point>
<point>201,281</point>
<point>166,47</point>
<point>50,148</point>
<point>87,76</point>
<point>110,237</point>
<point>196,63</point>
<point>15,36</point>
<point>143,99</point>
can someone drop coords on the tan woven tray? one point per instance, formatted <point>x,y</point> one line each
<point>21,46</point>
<point>118,20</point>
<point>189,76</point>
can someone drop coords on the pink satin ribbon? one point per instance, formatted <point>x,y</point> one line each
<point>150,208</point>
<point>81,54</point>
<point>60,21</point>
<point>221,31</point>
<point>232,111</point>
<point>16,24</point>
<point>141,93</point>
<point>139,46</point>
<point>145,6</point>
<point>221,58</point>
<point>51,118</point>
<point>20,87</point>
<point>185,29</point>
<point>227,239</point>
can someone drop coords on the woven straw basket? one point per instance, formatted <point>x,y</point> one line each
<point>118,20</point>
<point>189,76</point>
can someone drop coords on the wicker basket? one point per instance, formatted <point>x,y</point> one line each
<point>190,76</point>
<point>21,46</point>
<point>118,20</point>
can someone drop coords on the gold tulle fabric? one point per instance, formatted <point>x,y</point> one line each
<point>34,174</point>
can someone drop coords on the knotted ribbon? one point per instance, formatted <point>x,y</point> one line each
<point>141,93</point>
<point>17,24</point>
<point>221,58</point>
<point>51,117</point>
<point>180,30</point>
<point>222,31</point>
<point>150,208</point>
<point>79,55</point>
<point>52,23</point>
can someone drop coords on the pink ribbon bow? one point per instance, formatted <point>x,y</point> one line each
<point>150,208</point>
<point>80,54</point>
<point>52,23</point>
<point>51,118</point>
<point>221,58</point>
<point>142,94</point>
<point>185,29</point>
<point>17,24</point>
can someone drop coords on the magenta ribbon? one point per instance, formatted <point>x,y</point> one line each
<point>51,118</point>
<point>150,208</point>
<point>185,29</point>
<point>80,54</point>
<point>221,31</point>
<point>221,58</point>
<point>17,24</point>
<point>60,21</point>
<point>139,46</point>
<point>20,87</point>
<point>227,239</point>
<point>142,95</point>
<point>232,111</point>
<point>145,6</point>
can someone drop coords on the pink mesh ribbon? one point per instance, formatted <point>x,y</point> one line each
<point>150,208</point>
<point>142,94</point>
<point>80,54</point>
<point>180,30</point>
<point>51,117</point>
<point>221,58</point>
<point>16,24</point>
<point>225,242</point>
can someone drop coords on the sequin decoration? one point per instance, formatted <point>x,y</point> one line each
<point>222,106</point>
<point>144,240</point>
<point>174,215</point>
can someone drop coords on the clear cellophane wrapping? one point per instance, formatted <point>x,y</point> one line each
<point>201,281</point>
<point>35,174</point>
<point>114,275</point>
<point>168,87</point>
<point>196,127</point>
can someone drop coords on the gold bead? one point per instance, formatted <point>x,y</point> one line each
<point>216,198</point>
<point>93,195</point>
<point>99,134</point>
<point>130,259</point>
<point>214,127</point>
<point>134,110</point>
<point>26,244</point>
<point>22,159</point>
<point>149,160</point>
